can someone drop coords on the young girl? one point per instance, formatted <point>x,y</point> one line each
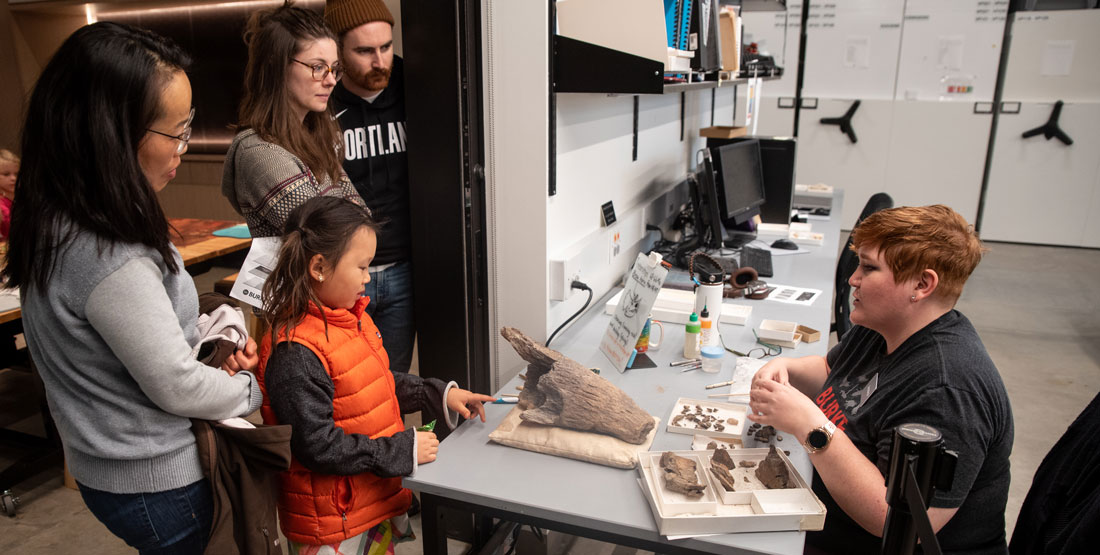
<point>9,168</point>
<point>329,378</point>
<point>286,148</point>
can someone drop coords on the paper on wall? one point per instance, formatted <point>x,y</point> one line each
<point>256,268</point>
<point>1057,58</point>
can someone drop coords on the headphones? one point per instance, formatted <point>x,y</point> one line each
<point>746,282</point>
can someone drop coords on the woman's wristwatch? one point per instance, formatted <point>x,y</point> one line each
<point>818,439</point>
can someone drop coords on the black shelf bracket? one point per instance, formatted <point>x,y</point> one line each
<point>1050,129</point>
<point>845,121</point>
<point>583,67</point>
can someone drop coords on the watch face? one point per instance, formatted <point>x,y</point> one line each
<point>818,439</point>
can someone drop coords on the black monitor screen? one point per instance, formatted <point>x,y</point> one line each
<point>740,179</point>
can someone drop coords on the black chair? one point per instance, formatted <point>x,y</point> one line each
<point>842,305</point>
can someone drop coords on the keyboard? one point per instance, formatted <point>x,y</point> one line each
<point>758,259</point>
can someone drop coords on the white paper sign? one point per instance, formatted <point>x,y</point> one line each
<point>1057,58</point>
<point>257,266</point>
<point>642,286</point>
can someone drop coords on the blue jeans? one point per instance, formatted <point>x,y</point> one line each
<point>391,308</point>
<point>169,522</point>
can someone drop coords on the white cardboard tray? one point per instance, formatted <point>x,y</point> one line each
<point>675,306</point>
<point>722,412</point>
<point>765,510</point>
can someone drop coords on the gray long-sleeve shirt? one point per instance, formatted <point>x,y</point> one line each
<point>112,339</point>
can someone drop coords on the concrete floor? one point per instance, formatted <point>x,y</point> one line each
<point>1035,308</point>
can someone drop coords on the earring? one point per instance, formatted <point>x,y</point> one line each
<point>913,298</point>
<point>320,277</point>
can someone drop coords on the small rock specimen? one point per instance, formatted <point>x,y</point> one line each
<point>712,446</point>
<point>772,472</point>
<point>746,464</point>
<point>561,392</point>
<point>680,475</point>
<point>731,421</point>
<point>720,466</point>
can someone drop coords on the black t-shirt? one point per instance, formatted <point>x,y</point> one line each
<point>942,377</point>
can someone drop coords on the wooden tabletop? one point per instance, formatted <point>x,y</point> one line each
<point>193,238</point>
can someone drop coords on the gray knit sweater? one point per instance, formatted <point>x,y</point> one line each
<point>264,182</point>
<point>112,338</point>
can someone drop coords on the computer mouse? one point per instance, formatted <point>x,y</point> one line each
<point>785,244</point>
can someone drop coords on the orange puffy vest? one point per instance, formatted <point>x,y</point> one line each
<point>321,509</point>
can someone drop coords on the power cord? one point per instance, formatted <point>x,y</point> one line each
<point>575,285</point>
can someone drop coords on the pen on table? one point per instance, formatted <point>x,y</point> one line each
<point>684,362</point>
<point>690,367</point>
<point>716,385</point>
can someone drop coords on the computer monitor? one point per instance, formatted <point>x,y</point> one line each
<point>706,206</point>
<point>740,187</point>
<point>777,154</point>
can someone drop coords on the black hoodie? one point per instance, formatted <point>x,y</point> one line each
<point>376,161</point>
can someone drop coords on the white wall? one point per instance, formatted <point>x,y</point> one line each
<point>594,165</point>
<point>526,226</point>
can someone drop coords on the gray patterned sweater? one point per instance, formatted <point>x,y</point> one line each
<point>264,182</point>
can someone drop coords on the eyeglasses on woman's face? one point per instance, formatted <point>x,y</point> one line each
<point>183,138</point>
<point>320,70</point>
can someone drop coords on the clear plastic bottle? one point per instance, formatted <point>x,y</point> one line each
<point>712,358</point>
<point>691,337</point>
<point>706,328</point>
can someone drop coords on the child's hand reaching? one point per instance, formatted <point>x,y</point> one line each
<point>427,446</point>
<point>466,403</point>
<point>244,359</point>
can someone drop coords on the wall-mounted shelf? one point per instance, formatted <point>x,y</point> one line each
<point>589,68</point>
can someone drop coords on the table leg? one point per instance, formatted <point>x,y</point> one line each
<point>432,527</point>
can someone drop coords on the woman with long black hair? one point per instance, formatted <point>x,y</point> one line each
<point>108,312</point>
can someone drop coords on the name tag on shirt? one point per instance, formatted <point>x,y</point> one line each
<point>866,392</point>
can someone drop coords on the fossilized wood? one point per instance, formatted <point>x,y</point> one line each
<point>772,472</point>
<point>561,392</point>
<point>680,475</point>
<point>720,466</point>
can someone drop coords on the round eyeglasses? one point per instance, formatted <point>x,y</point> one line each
<point>320,70</point>
<point>184,137</point>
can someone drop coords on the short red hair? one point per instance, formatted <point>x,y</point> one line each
<point>914,238</point>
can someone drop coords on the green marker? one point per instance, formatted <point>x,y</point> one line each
<point>429,427</point>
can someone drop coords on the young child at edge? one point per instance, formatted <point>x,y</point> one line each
<point>328,377</point>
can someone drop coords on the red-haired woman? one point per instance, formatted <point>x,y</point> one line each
<point>910,358</point>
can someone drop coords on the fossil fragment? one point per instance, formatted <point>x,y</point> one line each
<point>731,421</point>
<point>772,472</point>
<point>680,475</point>
<point>720,466</point>
<point>746,464</point>
<point>561,392</point>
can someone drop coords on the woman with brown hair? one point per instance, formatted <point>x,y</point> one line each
<point>287,150</point>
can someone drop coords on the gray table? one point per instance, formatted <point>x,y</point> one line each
<point>605,503</point>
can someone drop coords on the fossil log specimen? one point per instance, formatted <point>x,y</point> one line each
<point>561,392</point>
<point>680,475</point>
<point>720,466</point>
<point>772,472</point>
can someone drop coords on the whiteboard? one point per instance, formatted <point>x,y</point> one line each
<point>950,45</point>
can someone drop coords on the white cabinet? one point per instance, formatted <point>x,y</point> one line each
<point>1043,191</point>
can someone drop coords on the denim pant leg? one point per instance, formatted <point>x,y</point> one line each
<point>391,308</point>
<point>173,522</point>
